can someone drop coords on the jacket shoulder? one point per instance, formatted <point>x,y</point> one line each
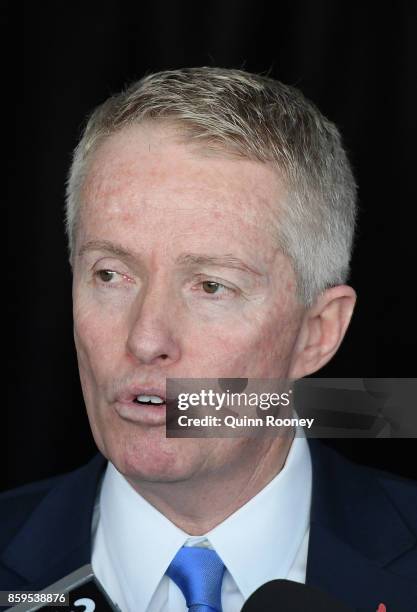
<point>16,505</point>
<point>350,483</point>
<point>402,493</point>
<point>45,527</point>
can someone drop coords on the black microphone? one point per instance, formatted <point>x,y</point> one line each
<point>85,594</point>
<point>289,596</point>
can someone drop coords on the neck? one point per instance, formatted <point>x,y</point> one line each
<point>199,504</point>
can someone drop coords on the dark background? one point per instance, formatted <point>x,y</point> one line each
<point>355,61</point>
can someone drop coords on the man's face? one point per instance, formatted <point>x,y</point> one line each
<point>177,274</point>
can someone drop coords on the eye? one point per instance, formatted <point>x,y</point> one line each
<point>211,286</point>
<point>216,289</point>
<point>105,275</point>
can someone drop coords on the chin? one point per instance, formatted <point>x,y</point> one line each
<point>151,457</point>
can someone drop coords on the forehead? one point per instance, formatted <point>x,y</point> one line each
<point>145,175</point>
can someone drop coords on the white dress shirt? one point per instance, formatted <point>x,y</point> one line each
<point>267,538</point>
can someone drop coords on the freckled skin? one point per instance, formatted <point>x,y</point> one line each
<point>159,198</point>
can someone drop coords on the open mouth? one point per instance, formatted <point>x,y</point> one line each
<point>149,400</point>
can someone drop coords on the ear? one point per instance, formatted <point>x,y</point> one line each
<point>322,330</point>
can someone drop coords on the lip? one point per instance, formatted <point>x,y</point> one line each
<point>143,414</point>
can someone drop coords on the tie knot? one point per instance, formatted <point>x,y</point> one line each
<point>198,572</point>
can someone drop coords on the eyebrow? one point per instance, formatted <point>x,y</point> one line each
<point>185,259</point>
<point>108,247</point>
<point>226,261</point>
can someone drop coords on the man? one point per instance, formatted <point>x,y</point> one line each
<point>210,217</point>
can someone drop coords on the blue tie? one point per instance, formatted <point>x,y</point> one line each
<point>198,572</point>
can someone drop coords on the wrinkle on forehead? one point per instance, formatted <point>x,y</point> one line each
<point>143,172</point>
<point>159,149</point>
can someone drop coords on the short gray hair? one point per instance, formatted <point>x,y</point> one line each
<point>257,118</point>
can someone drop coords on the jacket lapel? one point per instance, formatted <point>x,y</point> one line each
<point>56,539</point>
<point>358,539</point>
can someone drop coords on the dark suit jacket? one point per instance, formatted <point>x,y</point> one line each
<point>363,536</point>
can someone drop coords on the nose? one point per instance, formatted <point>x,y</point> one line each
<point>153,331</point>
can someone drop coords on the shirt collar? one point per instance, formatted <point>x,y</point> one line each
<point>257,543</point>
<point>142,541</point>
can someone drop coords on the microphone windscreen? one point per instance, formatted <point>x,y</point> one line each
<point>289,596</point>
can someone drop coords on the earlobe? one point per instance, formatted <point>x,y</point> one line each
<point>322,330</point>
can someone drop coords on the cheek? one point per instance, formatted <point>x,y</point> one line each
<point>257,346</point>
<point>271,352</point>
<point>98,337</point>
